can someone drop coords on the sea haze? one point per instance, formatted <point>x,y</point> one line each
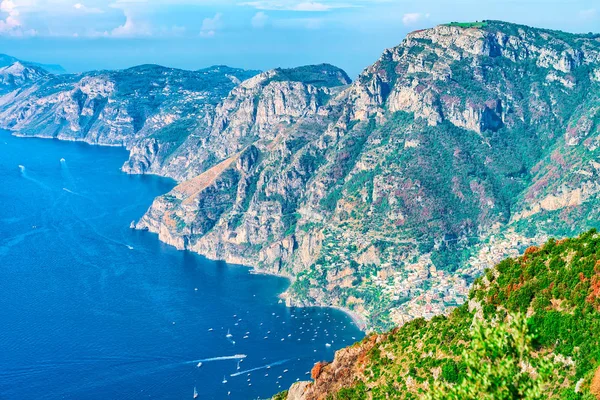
<point>90,309</point>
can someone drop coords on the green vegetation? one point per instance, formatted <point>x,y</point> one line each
<point>482,24</point>
<point>322,75</point>
<point>489,349</point>
<point>494,365</point>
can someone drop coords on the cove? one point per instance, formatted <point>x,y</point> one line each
<point>90,309</point>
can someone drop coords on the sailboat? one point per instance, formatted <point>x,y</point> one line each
<point>195,393</point>
<point>224,379</point>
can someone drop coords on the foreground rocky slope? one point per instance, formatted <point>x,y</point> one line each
<point>464,144</point>
<point>557,287</point>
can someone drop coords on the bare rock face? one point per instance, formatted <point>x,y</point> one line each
<point>595,386</point>
<point>256,111</point>
<point>328,378</point>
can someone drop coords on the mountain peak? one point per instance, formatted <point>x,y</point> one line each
<point>320,75</point>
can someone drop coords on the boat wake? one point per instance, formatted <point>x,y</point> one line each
<point>25,175</point>
<point>259,368</point>
<point>222,358</point>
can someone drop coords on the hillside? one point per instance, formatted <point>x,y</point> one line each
<point>478,351</point>
<point>255,111</point>
<point>388,196</point>
<point>113,107</point>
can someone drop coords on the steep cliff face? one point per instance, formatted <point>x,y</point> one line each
<point>269,117</point>
<point>460,146</point>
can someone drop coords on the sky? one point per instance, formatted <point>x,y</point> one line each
<point>83,35</point>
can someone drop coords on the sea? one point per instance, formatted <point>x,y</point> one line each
<point>91,309</point>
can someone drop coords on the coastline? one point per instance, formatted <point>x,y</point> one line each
<point>357,319</point>
<point>20,135</point>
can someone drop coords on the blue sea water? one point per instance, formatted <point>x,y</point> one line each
<point>90,309</point>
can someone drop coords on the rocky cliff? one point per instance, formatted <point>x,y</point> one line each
<point>462,145</point>
<point>256,110</point>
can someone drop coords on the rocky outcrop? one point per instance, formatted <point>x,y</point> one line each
<point>257,110</point>
<point>346,370</point>
<point>595,386</point>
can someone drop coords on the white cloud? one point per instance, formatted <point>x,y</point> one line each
<point>87,10</point>
<point>12,25</point>
<point>312,6</point>
<point>259,20</point>
<point>413,18</point>
<point>210,26</point>
<point>294,5</point>
<point>132,27</point>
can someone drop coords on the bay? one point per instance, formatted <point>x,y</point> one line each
<point>90,309</point>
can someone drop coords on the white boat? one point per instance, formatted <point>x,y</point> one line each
<point>327,344</point>
<point>228,334</point>
<point>199,364</point>
<point>195,393</point>
<point>224,379</point>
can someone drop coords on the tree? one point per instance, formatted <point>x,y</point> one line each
<point>501,364</point>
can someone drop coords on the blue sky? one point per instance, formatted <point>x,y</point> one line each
<point>262,34</point>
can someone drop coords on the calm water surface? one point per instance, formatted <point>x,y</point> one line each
<point>90,309</point>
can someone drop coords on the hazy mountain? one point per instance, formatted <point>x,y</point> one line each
<point>6,60</point>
